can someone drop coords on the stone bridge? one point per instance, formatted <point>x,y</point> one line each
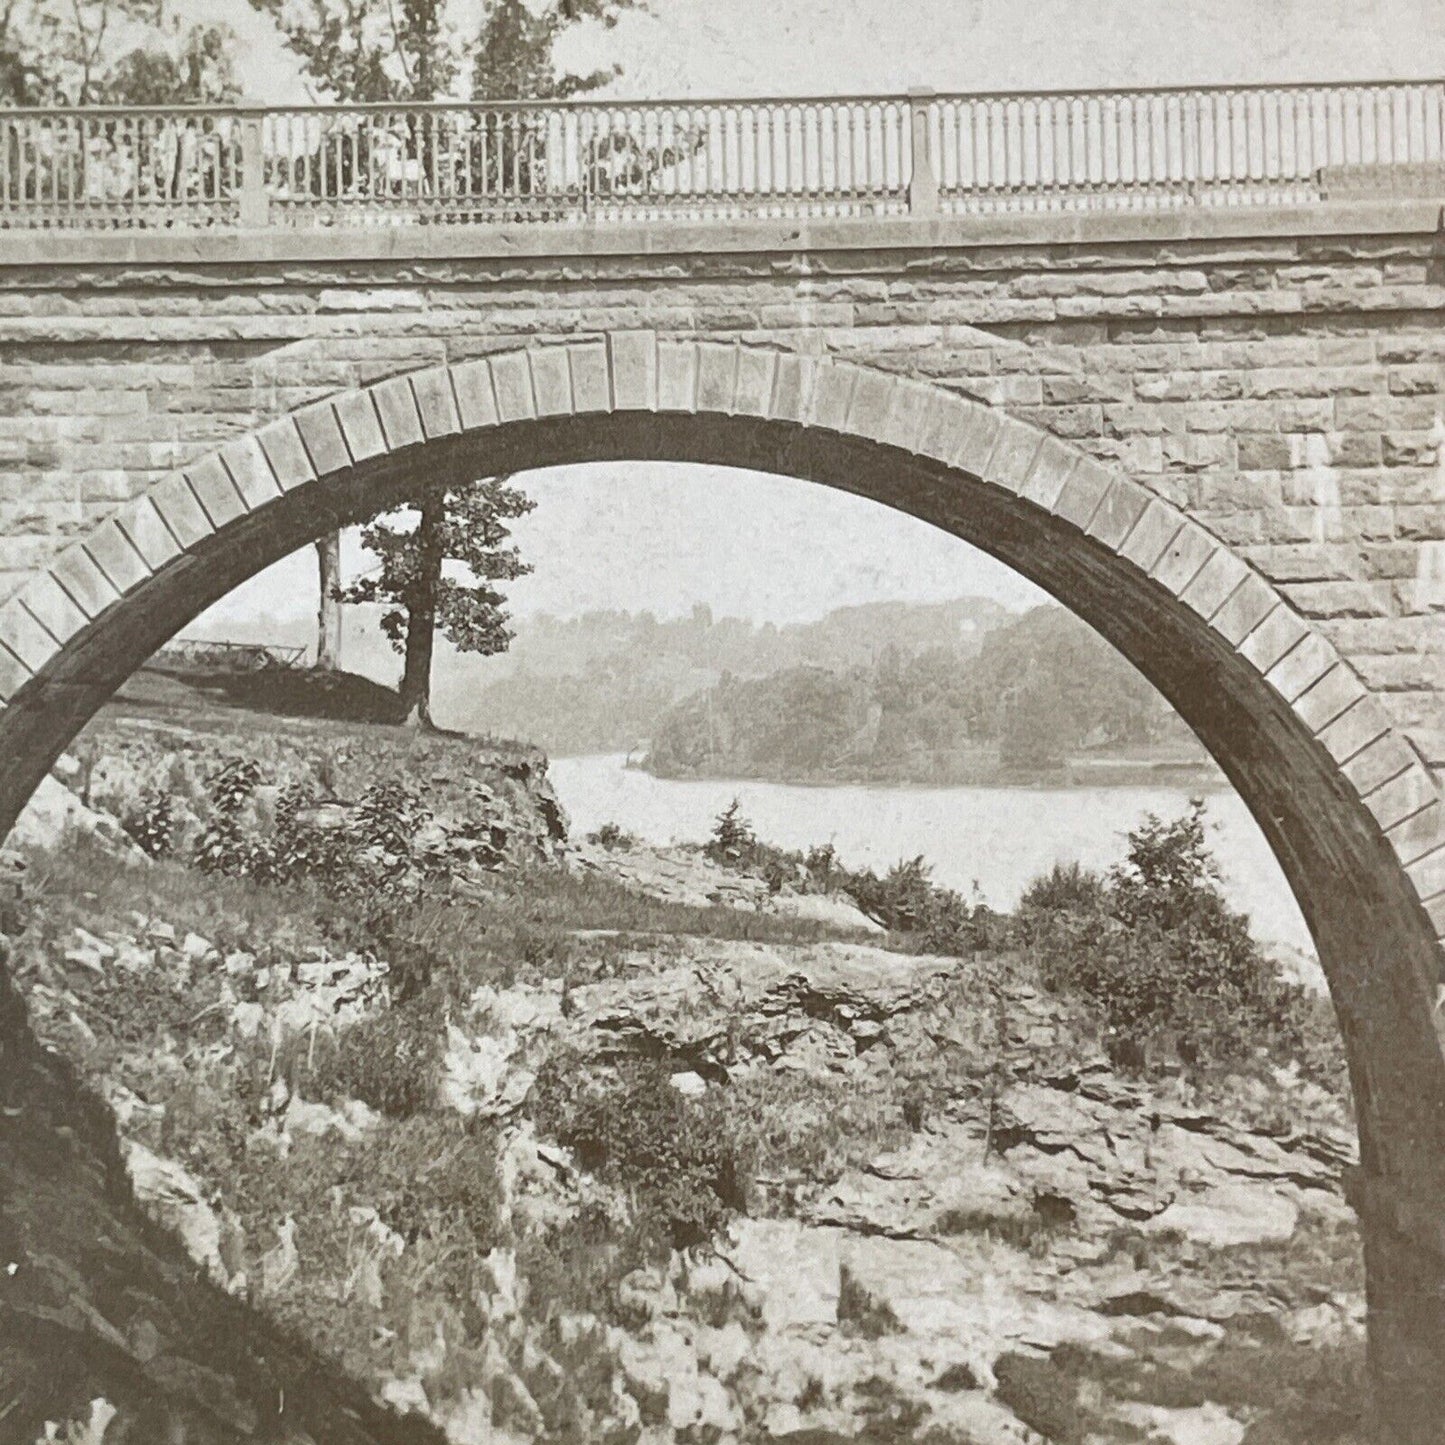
<point>1193,385</point>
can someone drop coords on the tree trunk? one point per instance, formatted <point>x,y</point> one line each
<point>328,614</point>
<point>421,620</point>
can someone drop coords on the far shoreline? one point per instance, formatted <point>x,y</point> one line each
<point>1184,778</point>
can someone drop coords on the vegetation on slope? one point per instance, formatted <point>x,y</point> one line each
<point>296,1017</point>
<point>600,683</point>
<point>414,1242</point>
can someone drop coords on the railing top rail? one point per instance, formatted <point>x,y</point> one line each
<point>626,103</point>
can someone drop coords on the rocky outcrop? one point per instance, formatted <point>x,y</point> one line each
<point>687,876</point>
<point>1031,1203</point>
<point>486,805</point>
<point>729,1004</point>
<point>100,1304</point>
<point>54,815</point>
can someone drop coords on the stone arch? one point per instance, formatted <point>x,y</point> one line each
<point>1354,815</point>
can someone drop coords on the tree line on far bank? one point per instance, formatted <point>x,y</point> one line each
<point>1039,690</point>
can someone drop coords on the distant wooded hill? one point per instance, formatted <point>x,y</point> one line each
<point>962,691</point>
<point>1036,694</point>
<point>603,682</point>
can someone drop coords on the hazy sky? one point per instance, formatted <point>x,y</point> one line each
<point>654,536</point>
<point>713,47</point>
<point>640,537</point>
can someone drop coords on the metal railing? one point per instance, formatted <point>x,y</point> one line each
<point>200,654</point>
<point>596,161</point>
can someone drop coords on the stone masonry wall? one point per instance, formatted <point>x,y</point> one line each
<point>1289,393</point>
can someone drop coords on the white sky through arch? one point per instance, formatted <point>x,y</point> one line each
<point>659,537</point>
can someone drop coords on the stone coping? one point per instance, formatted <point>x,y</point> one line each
<point>60,247</point>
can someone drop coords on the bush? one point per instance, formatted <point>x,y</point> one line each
<point>860,1312</point>
<point>433,1177</point>
<point>389,1060</point>
<point>1031,1233</point>
<point>683,1165</point>
<point>577,1268</point>
<point>1065,888</point>
<point>296,850</point>
<point>733,842</point>
<point>610,835</point>
<point>904,900</point>
<point>1155,948</point>
<point>223,847</point>
<point>373,848</point>
<point>152,823</point>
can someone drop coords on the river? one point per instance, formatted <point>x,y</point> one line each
<point>985,842</point>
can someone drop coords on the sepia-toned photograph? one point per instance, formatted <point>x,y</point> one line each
<point>722,722</point>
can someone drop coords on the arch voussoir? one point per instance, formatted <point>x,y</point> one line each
<point>1331,695</point>
<point>436,402</point>
<point>25,637</point>
<point>1215,583</point>
<point>325,443</point>
<point>180,512</point>
<point>677,368</point>
<point>1181,561</point>
<point>400,417</point>
<point>551,374</point>
<point>1072,487</point>
<point>360,424</point>
<point>1281,630</point>
<point>218,495</point>
<point>54,608</point>
<point>632,366</point>
<point>85,580</point>
<point>591,388</point>
<point>717,377</point>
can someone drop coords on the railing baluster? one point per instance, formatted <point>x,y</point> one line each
<point>1145,149</point>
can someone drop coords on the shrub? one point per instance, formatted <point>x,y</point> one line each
<point>902,899</point>
<point>609,835</point>
<point>684,1166</point>
<point>1155,948</point>
<point>388,818</point>
<point>152,823</point>
<point>389,1060</point>
<point>1044,1397</point>
<point>577,1268</point>
<point>860,1312</point>
<point>1065,888</point>
<point>733,842</point>
<point>1031,1233</point>
<point>298,850</point>
<point>373,848</point>
<point>223,847</point>
<point>433,1177</point>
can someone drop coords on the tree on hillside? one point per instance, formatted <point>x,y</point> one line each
<point>110,52</point>
<point>411,51</point>
<point>328,611</point>
<point>465,526</point>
